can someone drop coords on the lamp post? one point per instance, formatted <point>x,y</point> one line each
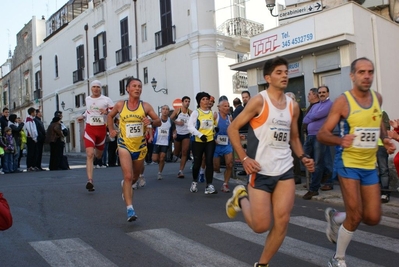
<point>154,85</point>
<point>65,109</point>
<point>270,4</point>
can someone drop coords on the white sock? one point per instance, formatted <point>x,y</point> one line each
<point>339,217</point>
<point>202,171</point>
<point>129,207</point>
<point>344,238</point>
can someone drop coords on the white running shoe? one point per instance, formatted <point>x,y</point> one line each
<point>335,262</point>
<point>141,182</point>
<point>332,226</point>
<point>193,188</point>
<point>159,176</point>
<point>210,189</point>
<point>135,185</point>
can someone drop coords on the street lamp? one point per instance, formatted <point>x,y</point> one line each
<point>154,85</point>
<point>270,4</point>
<point>63,107</point>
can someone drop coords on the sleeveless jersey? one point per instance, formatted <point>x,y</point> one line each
<point>365,124</point>
<point>162,133</point>
<point>183,129</point>
<point>205,125</point>
<point>93,116</point>
<point>221,136</point>
<point>132,130</point>
<point>269,137</point>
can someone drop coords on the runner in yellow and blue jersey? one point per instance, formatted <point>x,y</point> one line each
<point>358,114</point>
<point>134,120</point>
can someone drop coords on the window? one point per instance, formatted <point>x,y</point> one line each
<point>145,70</point>
<point>239,9</point>
<point>80,57</point>
<point>4,98</point>
<point>77,75</point>
<point>167,34</point>
<point>104,90</point>
<point>56,66</point>
<point>144,32</point>
<point>80,100</point>
<point>100,46</point>
<point>38,80</point>
<point>100,53</point>
<point>122,86</point>
<point>124,33</point>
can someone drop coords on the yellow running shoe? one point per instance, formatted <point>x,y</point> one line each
<point>232,205</point>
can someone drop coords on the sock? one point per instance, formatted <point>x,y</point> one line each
<point>339,217</point>
<point>130,207</point>
<point>344,238</point>
<point>202,171</point>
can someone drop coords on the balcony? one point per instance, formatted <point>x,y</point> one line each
<point>99,66</point>
<point>37,94</point>
<point>123,55</point>
<point>240,82</point>
<point>165,37</point>
<point>78,75</point>
<point>240,27</point>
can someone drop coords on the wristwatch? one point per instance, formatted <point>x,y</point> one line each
<point>304,156</point>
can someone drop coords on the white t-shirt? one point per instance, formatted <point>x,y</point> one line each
<point>92,114</point>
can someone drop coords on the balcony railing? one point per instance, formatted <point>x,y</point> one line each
<point>78,75</point>
<point>99,66</point>
<point>240,82</point>
<point>165,37</point>
<point>123,55</point>
<point>240,27</point>
<point>37,94</point>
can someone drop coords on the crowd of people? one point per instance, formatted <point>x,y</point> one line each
<point>281,141</point>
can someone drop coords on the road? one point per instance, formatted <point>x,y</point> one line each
<point>58,223</point>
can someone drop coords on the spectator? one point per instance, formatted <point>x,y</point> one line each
<point>31,134</point>
<point>382,162</point>
<point>4,120</point>
<point>41,136</point>
<point>318,151</point>
<point>16,133</point>
<point>112,146</point>
<point>23,143</point>
<point>8,143</point>
<point>237,107</point>
<point>54,137</point>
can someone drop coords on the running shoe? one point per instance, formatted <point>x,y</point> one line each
<point>225,188</point>
<point>159,176</point>
<point>193,188</point>
<point>260,265</point>
<point>131,215</point>
<point>332,226</point>
<point>384,198</point>
<point>180,174</point>
<point>90,186</point>
<point>336,262</point>
<point>141,182</point>
<point>232,204</point>
<point>135,185</point>
<point>201,177</point>
<point>210,189</point>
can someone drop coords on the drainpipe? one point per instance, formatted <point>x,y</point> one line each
<point>87,60</point>
<point>41,86</point>
<point>137,41</point>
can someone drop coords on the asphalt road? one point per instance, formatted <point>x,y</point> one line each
<point>58,223</point>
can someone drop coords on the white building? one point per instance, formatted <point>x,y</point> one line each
<point>321,47</point>
<point>186,46</point>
